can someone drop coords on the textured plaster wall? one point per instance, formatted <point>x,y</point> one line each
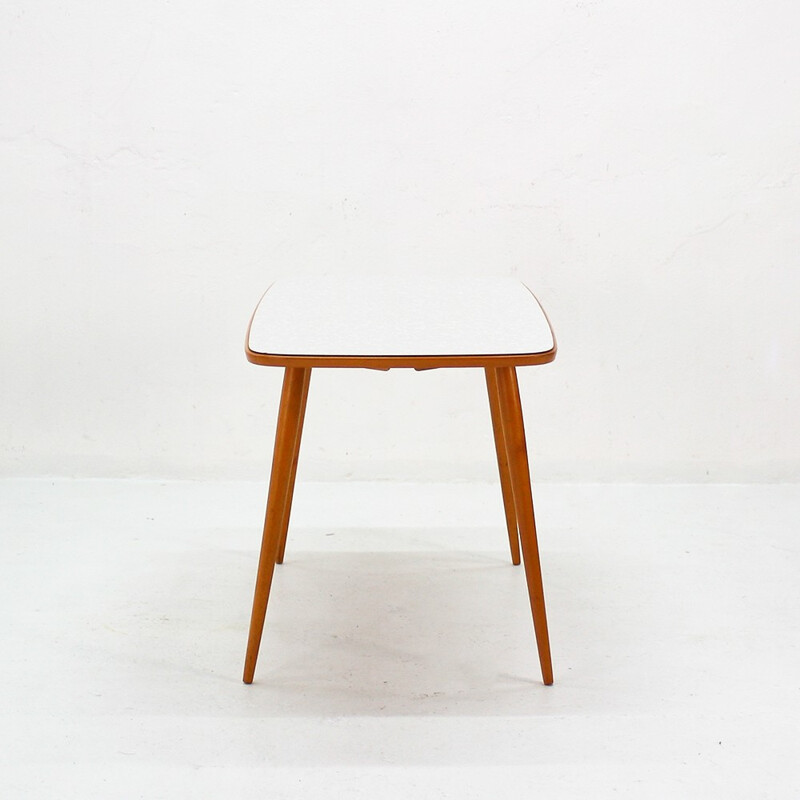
<point>636,163</point>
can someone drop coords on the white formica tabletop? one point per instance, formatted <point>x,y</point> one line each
<point>399,316</point>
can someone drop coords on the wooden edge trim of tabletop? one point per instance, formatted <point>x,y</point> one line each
<point>392,362</point>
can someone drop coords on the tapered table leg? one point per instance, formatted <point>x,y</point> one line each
<point>511,411</point>
<point>502,463</point>
<point>285,436</point>
<point>287,509</point>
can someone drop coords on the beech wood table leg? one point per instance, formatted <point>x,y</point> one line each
<point>502,463</point>
<point>511,411</point>
<point>287,509</point>
<point>285,436</point>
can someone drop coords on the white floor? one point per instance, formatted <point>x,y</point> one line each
<point>398,658</point>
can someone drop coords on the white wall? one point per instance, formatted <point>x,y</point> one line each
<point>636,163</point>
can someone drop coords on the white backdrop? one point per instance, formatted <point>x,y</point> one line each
<point>636,163</point>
